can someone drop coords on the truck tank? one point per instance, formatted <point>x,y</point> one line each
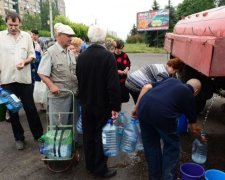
<point>199,41</point>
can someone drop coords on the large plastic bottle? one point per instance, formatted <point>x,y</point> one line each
<point>120,124</point>
<point>79,123</point>
<point>130,136</point>
<point>199,151</point>
<point>11,101</point>
<point>46,150</point>
<point>139,145</point>
<point>110,139</point>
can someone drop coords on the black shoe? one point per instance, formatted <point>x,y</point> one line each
<point>110,173</point>
<point>8,120</point>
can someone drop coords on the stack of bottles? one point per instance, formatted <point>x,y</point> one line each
<point>121,135</point>
<point>56,145</point>
<point>11,101</point>
<point>199,151</point>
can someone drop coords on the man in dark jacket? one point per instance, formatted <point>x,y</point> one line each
<point>99,92</point>
<point>158,107</point>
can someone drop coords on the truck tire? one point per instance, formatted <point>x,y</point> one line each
<point>207,86</point>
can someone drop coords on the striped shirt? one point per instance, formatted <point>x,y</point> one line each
<point>146,74</point>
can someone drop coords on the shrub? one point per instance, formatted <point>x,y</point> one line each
<point>137,38</point>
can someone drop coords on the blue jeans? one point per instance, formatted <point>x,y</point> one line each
<point>162,162</point>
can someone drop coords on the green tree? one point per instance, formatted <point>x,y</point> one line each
<point>2,24</point>
<point>172,16</point>
<point>220,2</point>
<point>133,30</point>
<point>155,5</point>
<point>30,22</point>
<point>188,7</point>
<point>44,6</point>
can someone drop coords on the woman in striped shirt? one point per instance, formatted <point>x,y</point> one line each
<point>151,73</point>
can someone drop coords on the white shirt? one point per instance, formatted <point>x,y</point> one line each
<point>12,51</point>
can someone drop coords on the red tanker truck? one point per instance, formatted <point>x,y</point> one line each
<point>199,41</point>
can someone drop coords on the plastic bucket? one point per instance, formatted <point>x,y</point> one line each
<point>192,171</point>
<point>214,174</point>
<point>2,112</point>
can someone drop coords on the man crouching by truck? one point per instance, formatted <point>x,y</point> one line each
<point>158,107</point>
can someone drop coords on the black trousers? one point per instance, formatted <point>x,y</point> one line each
<point>93,120</point>
<point>25,93</point>
<point>134,95</point>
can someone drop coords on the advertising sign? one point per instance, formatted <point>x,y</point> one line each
<point>153,20</point>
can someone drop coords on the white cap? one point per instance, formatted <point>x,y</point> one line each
<point>57,25</point>
<point>65,29</point>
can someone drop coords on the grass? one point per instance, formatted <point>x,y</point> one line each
<point>142,48</point>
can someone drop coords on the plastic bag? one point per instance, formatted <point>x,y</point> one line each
<point>58,143</point>
<point>40,92</point>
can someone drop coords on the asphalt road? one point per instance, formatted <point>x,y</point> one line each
<point>26,164</point>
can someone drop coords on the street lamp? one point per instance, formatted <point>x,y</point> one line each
<point>50,18</point>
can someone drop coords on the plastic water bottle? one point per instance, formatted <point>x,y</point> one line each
<point>130,136</point>
<point>110,139</point>
<point>46,150</point>
<point>11,101</point>
<point>199,151</point>
<point>65,151</point>
<point>139,145</point>
<point>79,123</point>
<point>120,124</point>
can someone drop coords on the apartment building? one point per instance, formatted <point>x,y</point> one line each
<point>27,6</point>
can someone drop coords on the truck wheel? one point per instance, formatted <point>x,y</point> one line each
<point>207,86</point>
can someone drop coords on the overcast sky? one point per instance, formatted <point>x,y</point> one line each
<point>117,15</point>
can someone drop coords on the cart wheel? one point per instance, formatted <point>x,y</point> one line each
<point>59,166</point>
<point>76,157</point>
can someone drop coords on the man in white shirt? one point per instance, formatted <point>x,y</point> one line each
<point>16,54</point>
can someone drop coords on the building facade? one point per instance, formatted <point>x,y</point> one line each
<point>27,6</point>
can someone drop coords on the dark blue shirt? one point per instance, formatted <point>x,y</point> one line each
<point>167,99</point>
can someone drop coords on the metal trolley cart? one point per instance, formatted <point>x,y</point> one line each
<point>58,147</point>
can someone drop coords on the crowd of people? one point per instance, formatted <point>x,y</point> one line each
<point>98,76</point>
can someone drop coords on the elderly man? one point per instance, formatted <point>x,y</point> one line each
<point>99,92</point>
<point>57,70</point>
<point>159,105</point>
<point>16,54</point>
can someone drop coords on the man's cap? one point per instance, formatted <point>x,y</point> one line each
<point>65,29</point>
<point>57,25</point>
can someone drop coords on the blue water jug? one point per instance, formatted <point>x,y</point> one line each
<point>139,145</point>
<point>199,151</point>
<point>182,124</point>
<point>130,136</point>
<point>79,123</point>
<point>110,139</point>
<point>10,100</point>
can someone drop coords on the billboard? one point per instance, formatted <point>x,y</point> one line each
<point>153,20</point>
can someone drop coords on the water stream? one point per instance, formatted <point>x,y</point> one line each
<point>207,112</point>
